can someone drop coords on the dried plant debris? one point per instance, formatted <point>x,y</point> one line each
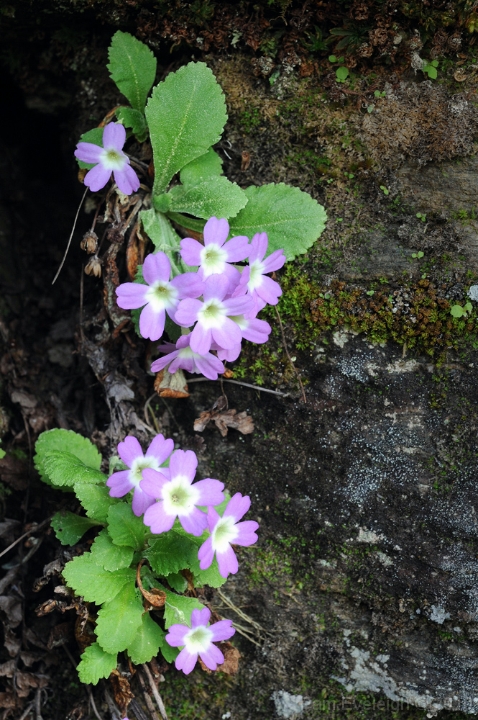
<point>420,121</point>
<point>224,419</point>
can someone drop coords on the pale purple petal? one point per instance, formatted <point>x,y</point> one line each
<point>211,491</point>
<point>259,245</point>
<point>228,335</point>
<point>119,483</point>
<point>129,450</point>
<point>156,267</point>
<point>114,136</point>
<point>151,322</point>
<point>237,506</point>
<point>187,312</point>
<point>182,363</point>
<point>191,251</point>
<point>275,261</point>
<point>160,448</point>
<point>96,178</point>
<point>200,617</point>
<point>194,523</point>
<point>239,305</point>
<point>222,630</point>
<point>216,287</point>
<point>189,285</point>
<point>212,518</point>
<point>227,562</point>
<point>233,277</point>
<point>186,661</point>
<point>206,554</point>
<point>257,331</point>
<point>229,355</point>
<point>141,501</point>
<point>237,248</point>
<point>131,296</point>
<point>126,179</point>
<point>176,633</point>
<point>183,462</point>
<point>269,290</point>
<point>153,482</point>
<point>157,519</point>
<point>200,339</point>
<point>209,366</point>
<point>88,152</point>
<point>216,231</point>
<point>247,533</point>
<point>161,363</point>
<point>212,657</point>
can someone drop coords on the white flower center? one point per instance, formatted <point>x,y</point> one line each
<point>112,159</point>
<point>224,534</point>
<point>212,314</point>
<point>213,259</point>
<point>162,296</point>
<point>188,353</point>
<point>138,465</point>
<point>241,321</point>
<point>255,276</point>
<point>198,639</point>
<point>179,497</point>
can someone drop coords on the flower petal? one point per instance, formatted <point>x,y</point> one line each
<point>183,462</point>
<point>131,296</point>
<point>209,366</point>
<point>160,448</point>
<point>206,554</point>
<point>176,633</point>
<point>275,261</point>
<point>187,312</point>
<point>88,152</point>
<point>237,248</point>
<point>97,177</point>
<point>237,506</point>
<point>259,245</point>
<point>222,630</point>
<point>228,335</point>
<point>227,562</point>
<point>247,533</point>
<point>216,286</point>
<point>216,231</point>
<point>156,267</point>
<point>126,179</point>
<point>269,290</point>
<point>119,483</point>
<point>151,322</point>
<point>129,450</point>
<point>191,251</point>
<point>114,136</point>
<point>153,482</point>
<point>189,285</point>
<point>201,339</point>
<point>212,657</point>
<point>194,523</point>
<point>141,501</point>
<point>157,519</point>
<point>211,492</point>
<point>200,617</point>
<point>186,661</point>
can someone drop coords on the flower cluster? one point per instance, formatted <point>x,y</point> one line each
<point>162,480</point>
<point>216,306</point>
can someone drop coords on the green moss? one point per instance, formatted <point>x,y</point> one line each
<point>198,696</point>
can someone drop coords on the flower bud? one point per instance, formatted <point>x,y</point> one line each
<point>93,266</point>
<point>89,242</point>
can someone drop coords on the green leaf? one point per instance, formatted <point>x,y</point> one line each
<point>96,664</point>
<point>64,468</point>
<point>203,167</point>
<point>108,555</point>
<point>342,74</point>
<point>171,552</point>
<point>147,641</point>
<point>187,222</point>
<point>432,72</point>
<point>119,620</point>
<point>169,653</point>
<point>177,582</point>
<point>125,528</point>
<point>178,609</point>
<point>94,583</point>
<point>60,439</point>
<point>135,120</point>
<point>186,115</point>
<point>211,576</point>
<point>457,311</point>
<point>214,196</point>
<point>291,218</point>
<point>95,137</point>
<point>132,66</point>
<point>161,232</point>
<point>96,500</point>
<point>69,528</point>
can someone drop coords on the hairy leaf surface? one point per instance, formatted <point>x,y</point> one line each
<point>132,66</point>
<point>94,583</point>
<point>119,620</point>
<point>69,528</point>
<point>96,664</point>
<point>108,555</point>
<point>125,528</point>
<point>65,440</point>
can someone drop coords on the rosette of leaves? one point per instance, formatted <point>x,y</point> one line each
<point>185,117</point>
<point>126,563</point>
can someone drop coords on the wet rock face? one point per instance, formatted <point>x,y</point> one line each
<point>377,472</point>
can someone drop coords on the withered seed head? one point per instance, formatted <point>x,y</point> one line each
<point>93,266</point>
<point>89,242</point>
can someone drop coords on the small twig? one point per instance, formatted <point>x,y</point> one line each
<point>70,238</point>
<point>288,355</point>
<point>27,711</point>
<point>147,698</point>
<point>70,656</point>
<point>137,709</point>
<point>82,288</point>
<point>92,703</point>
<point>154,689</point>
<point>244,384</point>
<point>115,713</point>
<point>148,409</point>
<point>33,530</point>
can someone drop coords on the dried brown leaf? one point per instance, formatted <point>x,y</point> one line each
<point>232,656</point>
<point>25,681</point>
<point>225,420</point>
<point>14,472</point>
<point>12,643</point>
<point>7,700</point>
<point>7,669</point>
<point>171,386</point>
<point>12,608</point>
<point>122,691</point>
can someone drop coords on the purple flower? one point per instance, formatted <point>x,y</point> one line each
<point>131,454</point>
<point>198,641</point>
<point>212,317</point>
<point>213,257</point>
<point>263,289</point>
<point>177,497</point>
<point>108,159</point>
<point>181,356</point>
<point>160,296</point>
<point>227,531</point>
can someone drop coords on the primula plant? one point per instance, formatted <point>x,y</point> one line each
<point>157,534</point>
